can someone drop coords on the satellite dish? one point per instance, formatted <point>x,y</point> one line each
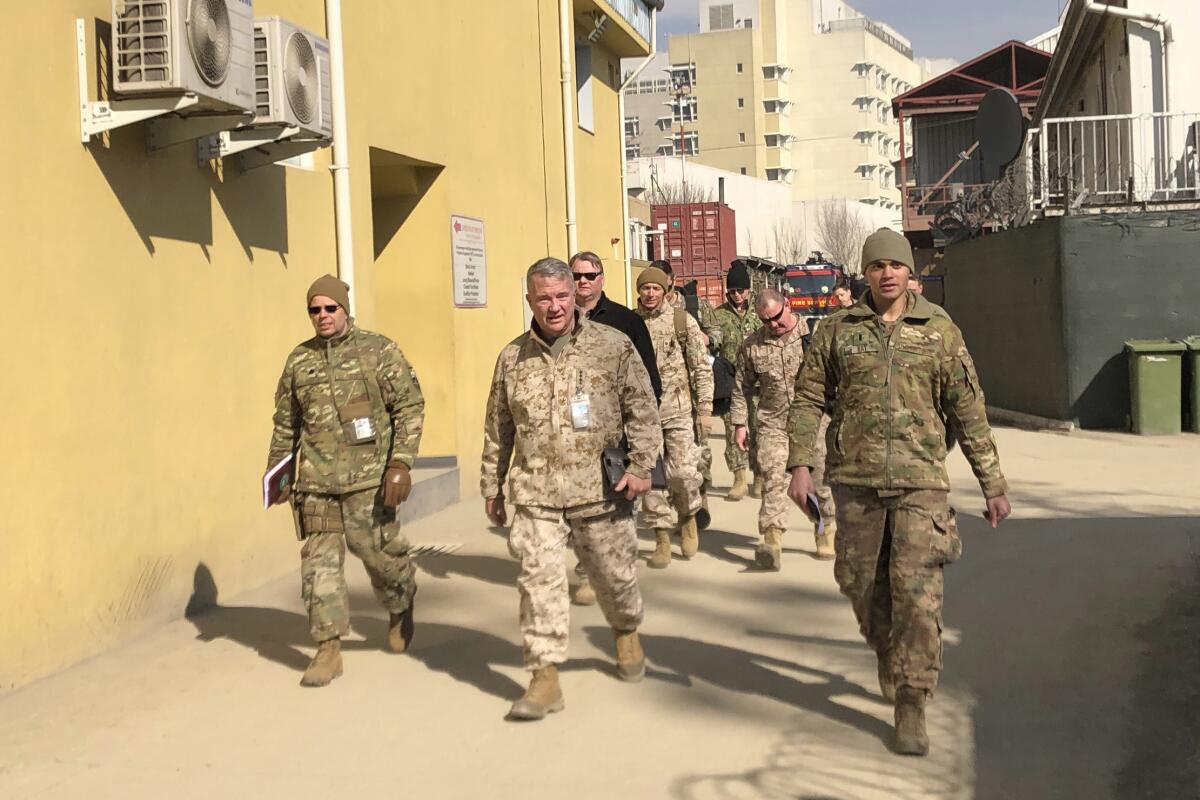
<point>1000,130</point>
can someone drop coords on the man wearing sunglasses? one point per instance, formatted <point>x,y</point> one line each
<point>349,410</point>
<point>895,372</point>
<point>588,271</point>
<point>737,321</point>
<point>767,366</point>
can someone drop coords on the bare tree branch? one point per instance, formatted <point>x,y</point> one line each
<point>791,243</point>
<point>841,231</point>
<point>673,193</point>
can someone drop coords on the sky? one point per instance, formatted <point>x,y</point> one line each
<point>958,29</point>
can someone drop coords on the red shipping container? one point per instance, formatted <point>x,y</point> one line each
<point>699,240</point>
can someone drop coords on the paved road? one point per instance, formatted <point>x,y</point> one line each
<point>1073,650</point>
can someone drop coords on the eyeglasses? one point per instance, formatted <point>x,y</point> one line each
<point>776,318</point>
<point>314,310</point>
<point>586,276</point>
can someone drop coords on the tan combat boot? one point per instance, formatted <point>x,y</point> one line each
<point>585,595</point>
<point>769,554</point>
<point>326,664</point>
<point>689,537</point>
<point>400,630</point>
<point>541,698</point>
<point>631,661</point>
<point>825,550</point>
<point>741,485</point>
<point>911,739</point>
<point>661,558</point>
<point>756,489</point>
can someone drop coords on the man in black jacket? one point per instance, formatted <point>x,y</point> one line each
<point>588,271</point>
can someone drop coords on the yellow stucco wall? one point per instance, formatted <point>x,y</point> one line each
<point>152,301</point>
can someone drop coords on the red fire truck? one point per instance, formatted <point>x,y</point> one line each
<point>809,286</point>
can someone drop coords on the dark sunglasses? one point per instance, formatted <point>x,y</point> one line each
<point>586,276</point>
<point>769,320</point>
<point>314,310</point>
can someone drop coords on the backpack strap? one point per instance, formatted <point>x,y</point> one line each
<point>681,331</point>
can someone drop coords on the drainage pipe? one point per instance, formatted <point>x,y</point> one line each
<point>625,234</point>
<point>566,31</point>
<point>341,148</point>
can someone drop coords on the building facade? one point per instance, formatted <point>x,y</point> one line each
<point>158,297</point>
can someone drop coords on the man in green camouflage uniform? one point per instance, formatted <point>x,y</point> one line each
<point>349,409</point>
<point>687,390</point>
<point>562,393</point>
<point>767,367</point>
<point>894,372</point>
<point>736,321</point>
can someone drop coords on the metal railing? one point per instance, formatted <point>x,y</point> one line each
<point>635,13</point>
<point>1074,162</point>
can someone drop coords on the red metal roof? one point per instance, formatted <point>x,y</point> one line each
<point>1013,65</point>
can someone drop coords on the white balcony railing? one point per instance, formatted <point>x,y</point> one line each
<point>635,13</point>
<point>1075,162</point>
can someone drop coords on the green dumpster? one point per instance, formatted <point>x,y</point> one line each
<point>1155,385</point>
<point>1191,391</point>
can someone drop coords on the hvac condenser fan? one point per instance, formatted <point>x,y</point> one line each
<point>300,76</point>
<point>210,37</point>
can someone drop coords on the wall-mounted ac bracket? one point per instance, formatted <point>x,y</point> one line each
<point>98,117</point>
<point>227,143</point>
<point>268,154</point>
<point>166,131</point>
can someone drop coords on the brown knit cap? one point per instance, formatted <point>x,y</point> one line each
<point>654,275</point>
<point>331,287</point>
<point>886,244</point>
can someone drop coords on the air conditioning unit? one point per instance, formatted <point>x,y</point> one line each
<point>291,78</point>
<point>163,47</point>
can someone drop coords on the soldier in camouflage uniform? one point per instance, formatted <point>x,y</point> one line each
<point>687,389</point>
<point>736,321</point>
<point>348,406</point>
<point>894,371</point>
<point>562,392</point>
<point>767,366</point>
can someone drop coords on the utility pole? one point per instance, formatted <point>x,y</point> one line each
<point>682,92</point>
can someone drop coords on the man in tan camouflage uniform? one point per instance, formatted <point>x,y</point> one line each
<point>349,408</point>
<point>767,367</point>
<point>737,321</point>
<point>685,373</point>
<point>562,392</point>
<point>895,371</point>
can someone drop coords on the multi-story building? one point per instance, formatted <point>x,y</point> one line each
<point>649,121</point>
<point>797,91</point>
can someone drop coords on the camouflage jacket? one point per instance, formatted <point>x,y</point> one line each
<point>531,439</point>
<point>735,326</point>
<point>358,372</point>
<point>705,315</point>
<point>892,394</point>
<point>767,367</point>
<point>683,367</point>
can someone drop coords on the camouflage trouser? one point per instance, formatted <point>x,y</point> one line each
<point>735,457</point>
<point>824,493</point>
<point>771,460</point>
<point>330,523</point>
<point>667,508</point>
<point>891,547</point>
<point>704,467</point>
<point>606,546</point>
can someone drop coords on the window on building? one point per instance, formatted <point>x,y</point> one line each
<point>739,68</point>
<point>683,75</point>
<point>666,149</point>
<point>741,137</point>
<point>741,102</point>
<point>585,107</point>
<point>633,126</point>
<point>720,18</point>
<point>684,109</point>
<point>743,170</point>
<point>632,151</point>
<point>689,142</point>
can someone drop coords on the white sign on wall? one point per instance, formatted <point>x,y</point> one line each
<point>469,258</point>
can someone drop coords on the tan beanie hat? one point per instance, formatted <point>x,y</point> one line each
<point>331,287</point>
<point>654,275</point>
<point>886,244</point>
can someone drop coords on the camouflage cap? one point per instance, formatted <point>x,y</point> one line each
<point>886,244</point>
<point>654,275</point>
<point>331,287</point>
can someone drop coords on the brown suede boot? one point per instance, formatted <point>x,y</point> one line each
<point>326,664</point>
<point>400,630</point>
<point>661,558</point>
<point>756,488</point>
<point>541,698</point>
<point>911,739</point>
<point>741,485</point>
<point>769,554</point>
<point>689,537</point>
<point>631,661</point>
<point>585,595</point>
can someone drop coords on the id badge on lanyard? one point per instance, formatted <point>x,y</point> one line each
<point>580,405</point>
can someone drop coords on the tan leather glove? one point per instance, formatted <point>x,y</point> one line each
<point>397,483</point>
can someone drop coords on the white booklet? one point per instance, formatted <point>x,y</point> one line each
<point>277,479</point>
